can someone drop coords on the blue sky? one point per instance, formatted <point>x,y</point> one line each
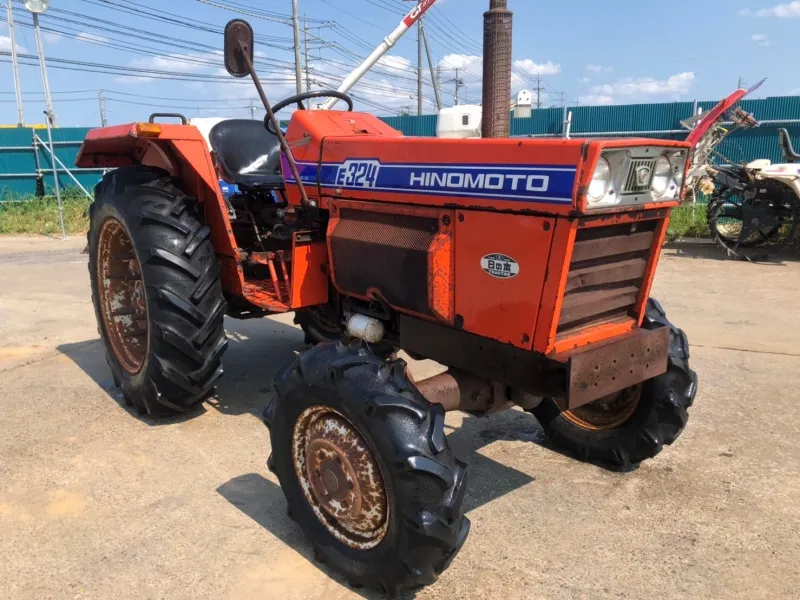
<point>613,52</point>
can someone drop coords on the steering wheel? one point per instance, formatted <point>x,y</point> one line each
<point>298,99</point>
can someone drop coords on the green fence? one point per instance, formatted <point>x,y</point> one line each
<point>26,167</point>
<point>647,120</point>
<point>23,161</point>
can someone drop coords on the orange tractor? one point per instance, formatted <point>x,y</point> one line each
<point>524,266</point>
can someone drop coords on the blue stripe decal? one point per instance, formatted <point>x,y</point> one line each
<point>540,183</point>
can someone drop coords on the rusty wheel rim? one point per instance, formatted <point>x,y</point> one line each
<point>340,478</point>
<point>608,412</point>
<point>123,304</point>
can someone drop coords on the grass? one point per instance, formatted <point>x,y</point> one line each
<point>40,216</point>
<point>33,215</point>
<point>688,221</point>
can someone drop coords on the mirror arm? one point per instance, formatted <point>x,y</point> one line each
<point>276,125</point>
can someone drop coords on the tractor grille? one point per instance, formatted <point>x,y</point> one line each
<point>633,185</point>
<point>384,253</point>
<point>605,276</point>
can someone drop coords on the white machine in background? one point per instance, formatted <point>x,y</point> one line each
<point>460,121</point>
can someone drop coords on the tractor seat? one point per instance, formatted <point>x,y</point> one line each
<point>248,154</point>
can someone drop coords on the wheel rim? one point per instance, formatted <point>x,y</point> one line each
<point>608,412</point>
<point>340,478</point>
<point>123,304</point>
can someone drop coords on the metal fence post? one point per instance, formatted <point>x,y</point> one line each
<point>49,122</point>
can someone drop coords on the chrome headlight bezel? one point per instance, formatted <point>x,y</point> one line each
<point>627,190</point>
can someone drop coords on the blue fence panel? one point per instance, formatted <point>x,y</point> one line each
<point>19,168</point>
<point>22,160</point>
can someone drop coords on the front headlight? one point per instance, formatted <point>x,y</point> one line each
<point>601,180</point>
<point>662,176</point>
<point>678,167</point>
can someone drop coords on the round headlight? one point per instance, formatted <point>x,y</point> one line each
<point>601,180</point>
<point>662,176</point>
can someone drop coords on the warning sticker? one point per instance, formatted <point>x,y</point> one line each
<point>500,266</point>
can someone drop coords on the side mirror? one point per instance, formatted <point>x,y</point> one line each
<point>238,47</point>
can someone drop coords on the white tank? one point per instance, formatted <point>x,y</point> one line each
<point>460,121</point>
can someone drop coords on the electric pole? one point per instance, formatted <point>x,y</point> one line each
<point>741,83</point>
<point>419,67</point>
<point>15,65</point>
<point>538,91</point>
<point>459,83</point>
<point>102,102</point>
<point>308,69</point>
<point>298,70</point>
<point>434,77</point>
<point>43,65</point>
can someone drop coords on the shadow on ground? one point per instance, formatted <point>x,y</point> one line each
<point>257,348</point>
<point>706,249</point>
<point>263,501</point>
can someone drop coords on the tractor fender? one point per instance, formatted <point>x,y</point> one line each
<point>182,151</point>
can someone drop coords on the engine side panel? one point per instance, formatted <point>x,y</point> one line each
<point>501,264</point>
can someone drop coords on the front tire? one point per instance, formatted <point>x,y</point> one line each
<point>156,291</point>
<point>634,424</point>
<point>365,467</point>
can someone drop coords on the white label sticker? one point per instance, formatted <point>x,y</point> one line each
<point>500,266</point>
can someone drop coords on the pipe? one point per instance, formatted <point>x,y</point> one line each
<point>387,44</point>
<point>456,390</point>
<point>68,172</point>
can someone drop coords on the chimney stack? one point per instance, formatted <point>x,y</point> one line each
<point>497,34</point>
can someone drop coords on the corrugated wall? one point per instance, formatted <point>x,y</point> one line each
<point>18,168</point>
<point>740,146</point>
<point>18,161</point>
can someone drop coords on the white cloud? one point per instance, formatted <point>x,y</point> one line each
<point>526,65</point>
<point>585,79</point>
<point>598,69</point>
<point>5,44</point>
<point>460,61</point>
<point>760,39</point>
<point>646,86</point>
<point>51,37</point>
<point>396,63</point>
<point>782,11</point>
<point>174,63</point>
<point>91,38</point>
<point>596,99</point>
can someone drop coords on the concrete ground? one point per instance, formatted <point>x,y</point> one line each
<point>97,503</point>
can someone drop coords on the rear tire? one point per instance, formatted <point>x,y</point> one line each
<point>175,360</point>
<point>420,525</point>
<point>658,418</point>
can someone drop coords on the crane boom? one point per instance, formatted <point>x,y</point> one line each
<point>388,42</point>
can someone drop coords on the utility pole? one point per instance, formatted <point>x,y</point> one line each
<point>538,91</point>
<point>102,102</point>
<point>43,65</point>
<point>15,65</point>
<point>459,83</point>
<point>741,83</point>
<point>308,68</point>
<point>419,67</point>
<point>434,77</point>
<point>298,70</point>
